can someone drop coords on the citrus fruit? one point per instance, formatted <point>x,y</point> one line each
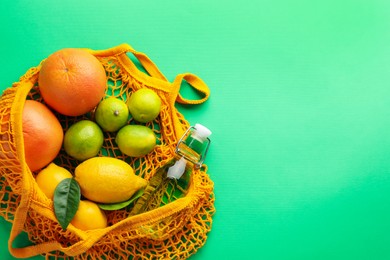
<point>89,216</point>
<point>135,140</point>
<point>144,105</point>
<point>42,134</point>
<point>83,140</point>
<point>111,114</point>
<point>107,180</point>
<point>72,81</point>
<point>48,178</point>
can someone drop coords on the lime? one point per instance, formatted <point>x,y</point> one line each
<point>83,140</point>
<point>144,105</point>
<point>111,114</point>
<point>135,140</point>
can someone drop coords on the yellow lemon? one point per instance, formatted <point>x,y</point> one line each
<point>89,216</point>
<point>135,140</point>
<point>83,140</point>
<point>48,178</point>
<point>144,105</point>
<point>111,114</point>
<point>107,180</point>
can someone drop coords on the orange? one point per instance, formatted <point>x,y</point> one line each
<point>42,134</point>
<point>72,81</point>
<point>89,216</point>
<point>48,178</point>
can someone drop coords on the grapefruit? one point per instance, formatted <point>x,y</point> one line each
<point>72,81</point>
<point>42,134</point>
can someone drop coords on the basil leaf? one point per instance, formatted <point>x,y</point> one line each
<point>66,201</point>
<point>121,205</point>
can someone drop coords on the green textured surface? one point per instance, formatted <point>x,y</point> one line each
<point>299,109</point>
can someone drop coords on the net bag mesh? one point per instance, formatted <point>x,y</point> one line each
<point>174,230</point>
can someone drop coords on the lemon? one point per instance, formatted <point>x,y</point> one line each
<point>89,216</point>
<point>111,114</point>
<point>135,140</point>
<point>83,140</point>
<point>107,180</point>
<point>144,105</point>
<point>48,178</point>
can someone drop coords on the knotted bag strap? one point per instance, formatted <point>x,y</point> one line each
<point>159,81</point>
<point>195,82</point>
<point>146,62</point>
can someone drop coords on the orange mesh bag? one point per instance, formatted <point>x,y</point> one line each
<point>175,229</point>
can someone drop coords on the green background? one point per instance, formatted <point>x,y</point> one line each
<point>299,109</point>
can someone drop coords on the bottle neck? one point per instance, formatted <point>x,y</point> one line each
<point>198,137</point>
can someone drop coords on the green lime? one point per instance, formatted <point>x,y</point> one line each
<point>144,105</point>
<point>111,114</point>
<point>135,140</point>
<point>83,140</point>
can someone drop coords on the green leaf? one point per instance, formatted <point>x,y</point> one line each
<point>121,205</point>
<point>66,201</point>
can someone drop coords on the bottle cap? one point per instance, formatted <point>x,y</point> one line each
<point>177,170</point>
<point>202,132</point>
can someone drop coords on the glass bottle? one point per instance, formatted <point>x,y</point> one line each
<point>192,147</point>
<point>171,181</point>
